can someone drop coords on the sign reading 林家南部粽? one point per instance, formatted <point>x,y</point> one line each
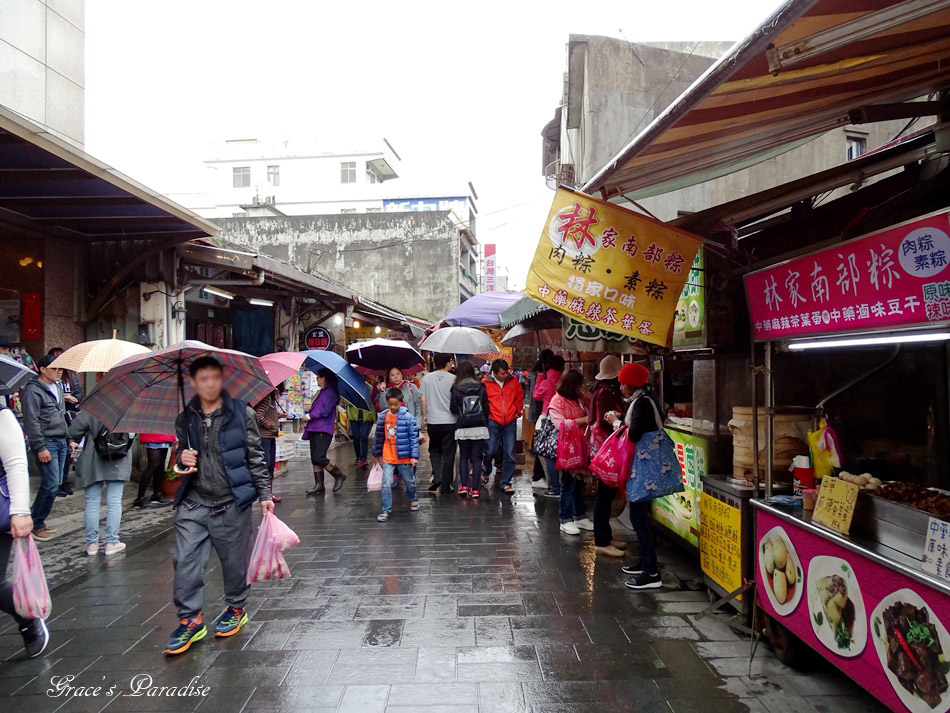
<point>894,278</point>
<point>836,503</point>
<point>611,268</point>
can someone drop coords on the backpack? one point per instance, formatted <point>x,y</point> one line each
<point>112,446</point>
<point>471,408</point>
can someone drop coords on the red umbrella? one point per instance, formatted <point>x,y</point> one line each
<point>280,366</point>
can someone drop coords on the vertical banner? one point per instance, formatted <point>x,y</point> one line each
<point>32,315</point>
<point>689,325</point>
<point>611,268</point>
<point>491,267</point>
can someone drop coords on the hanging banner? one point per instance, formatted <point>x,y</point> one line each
<point>580,337</point>
<point>610,267</point>
<point>689,324</point>
<point>897,277</point>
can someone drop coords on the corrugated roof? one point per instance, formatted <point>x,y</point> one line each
<point>797,76</point>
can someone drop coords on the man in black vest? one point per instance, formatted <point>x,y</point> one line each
<point>220,446</point>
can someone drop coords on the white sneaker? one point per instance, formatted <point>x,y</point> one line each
<point>115,549</point>
<point>540,484</point>
<point>92,550</point>
<point>584,524</point>
<point>570,528</point>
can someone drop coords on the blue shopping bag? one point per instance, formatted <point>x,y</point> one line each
<point>656,470</point>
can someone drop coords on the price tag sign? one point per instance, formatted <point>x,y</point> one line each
<point>835,506</point>
<point>936,556</point>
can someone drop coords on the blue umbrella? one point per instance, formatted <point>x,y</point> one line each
<point>13,375</point>
<point>352,386</point>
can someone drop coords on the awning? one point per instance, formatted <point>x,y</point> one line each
<point>521,310</point>
<point>812,66</point>
<point>483,309</point>
<point>50,186</point>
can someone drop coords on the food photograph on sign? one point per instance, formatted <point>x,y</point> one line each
<point>913,648</point>
<point>836,607</point>
<point>781,570</point>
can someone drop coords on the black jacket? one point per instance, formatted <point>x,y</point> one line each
<point>469,387</point>
<point>644,417</point>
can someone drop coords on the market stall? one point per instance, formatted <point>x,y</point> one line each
<point>864,578</point>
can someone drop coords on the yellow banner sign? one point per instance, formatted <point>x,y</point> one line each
<point>720,542</point>
<point>836,502</point>
<point>610,267</point>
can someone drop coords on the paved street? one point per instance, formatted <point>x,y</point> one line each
<point>465,607</point>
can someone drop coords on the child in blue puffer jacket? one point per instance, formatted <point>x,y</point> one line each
<point>396,446</point>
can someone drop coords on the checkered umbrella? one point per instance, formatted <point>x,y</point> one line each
<point>98,355</point>
<point>146,393</point>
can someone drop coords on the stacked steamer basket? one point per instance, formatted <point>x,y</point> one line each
<point>789,438</point>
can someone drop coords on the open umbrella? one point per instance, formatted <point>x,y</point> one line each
<point>280,366</point>
<point>98,355</point>
<point>459,340</point>
<point>379,354</point>
<point>351,386</point>
<point>13,375</point>
<point>522,335</point>
<point>145,393</point>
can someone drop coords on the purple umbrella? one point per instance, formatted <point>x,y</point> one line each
<point>483,309</point>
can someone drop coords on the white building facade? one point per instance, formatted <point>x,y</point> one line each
<point>42,64</point>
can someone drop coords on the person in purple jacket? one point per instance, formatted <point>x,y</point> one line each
<point>321,424</point>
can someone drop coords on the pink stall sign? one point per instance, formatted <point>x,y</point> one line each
<point>895,278</point>
<point>803,595</point>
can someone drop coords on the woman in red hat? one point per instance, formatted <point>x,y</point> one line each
<point>641,418</point>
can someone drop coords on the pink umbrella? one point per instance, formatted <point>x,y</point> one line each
<point>280,366</point>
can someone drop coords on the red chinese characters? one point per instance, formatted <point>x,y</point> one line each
<point>573,225</point>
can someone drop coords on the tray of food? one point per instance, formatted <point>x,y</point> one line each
<point>930,500</point>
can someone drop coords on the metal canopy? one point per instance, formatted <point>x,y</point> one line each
<point>52,187</point>
<point>807,69</point>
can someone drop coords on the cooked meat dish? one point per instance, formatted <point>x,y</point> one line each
<point>914,653</point>
<point>932,501</point>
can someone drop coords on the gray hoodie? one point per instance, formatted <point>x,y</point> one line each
<point>42,415</point>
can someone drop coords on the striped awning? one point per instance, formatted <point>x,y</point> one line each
<point>814,65</point>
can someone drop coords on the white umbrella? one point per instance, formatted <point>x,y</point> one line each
<point>459,340</point>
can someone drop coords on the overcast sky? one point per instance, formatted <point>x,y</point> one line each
<point>461,90</point>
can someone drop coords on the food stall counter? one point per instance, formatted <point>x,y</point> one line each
<point>867,608</point>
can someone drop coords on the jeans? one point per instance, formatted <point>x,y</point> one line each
<point>153,472</point>
<point>359,432</point>
<point>270,454</point>
<point>6,586</point>
<point>572,506</point>
<point>51,475</point>
<point>603,535</point>
<point>93,494</point>
<point>554,480</point>
<point>442,453</point>
<point>470,463</point>
<point>408,474</point>
<point>640,519</point>
<point>197,531</point>
<point>507,435</point>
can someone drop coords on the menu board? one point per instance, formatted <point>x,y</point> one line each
<point>835,506</point>
<point>936,556</point>
<point>720,542</point>
<point>680,512</point>
<point>882,628</point>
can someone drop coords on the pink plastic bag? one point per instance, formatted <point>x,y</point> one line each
<point>375,480</point>
<point>31,597</point>
<point>571,448</point>
<point>267,562</point>
<point>613,460</point>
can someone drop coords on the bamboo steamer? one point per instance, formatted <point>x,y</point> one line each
<point>789,439</point>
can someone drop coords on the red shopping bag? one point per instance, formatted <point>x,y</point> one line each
<point>375,481</point>
<point>267,560</point>
<point>613,460</point>
<point>571,447</point>
<point>31,597</point>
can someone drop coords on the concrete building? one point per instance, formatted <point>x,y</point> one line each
<point>42,52</point>
<point>614,89</point>
<point>421,262</point>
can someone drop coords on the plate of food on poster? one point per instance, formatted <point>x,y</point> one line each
<point>836,607</point>
<point>913,646</point>
<point>781,570</point>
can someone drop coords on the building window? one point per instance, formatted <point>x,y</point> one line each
<point>273,175</point>
<point>857,146</point>
<point>348,172</point>
<point>241,176</point>
<point>348,210</point>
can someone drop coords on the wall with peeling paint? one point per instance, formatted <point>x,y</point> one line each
<point>408,261</point>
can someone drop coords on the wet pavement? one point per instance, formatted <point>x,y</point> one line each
<point>464,607</point>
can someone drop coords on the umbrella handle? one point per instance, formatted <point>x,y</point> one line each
<point>184,406</point>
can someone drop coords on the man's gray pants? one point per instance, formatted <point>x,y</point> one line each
<point>196,532</point>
